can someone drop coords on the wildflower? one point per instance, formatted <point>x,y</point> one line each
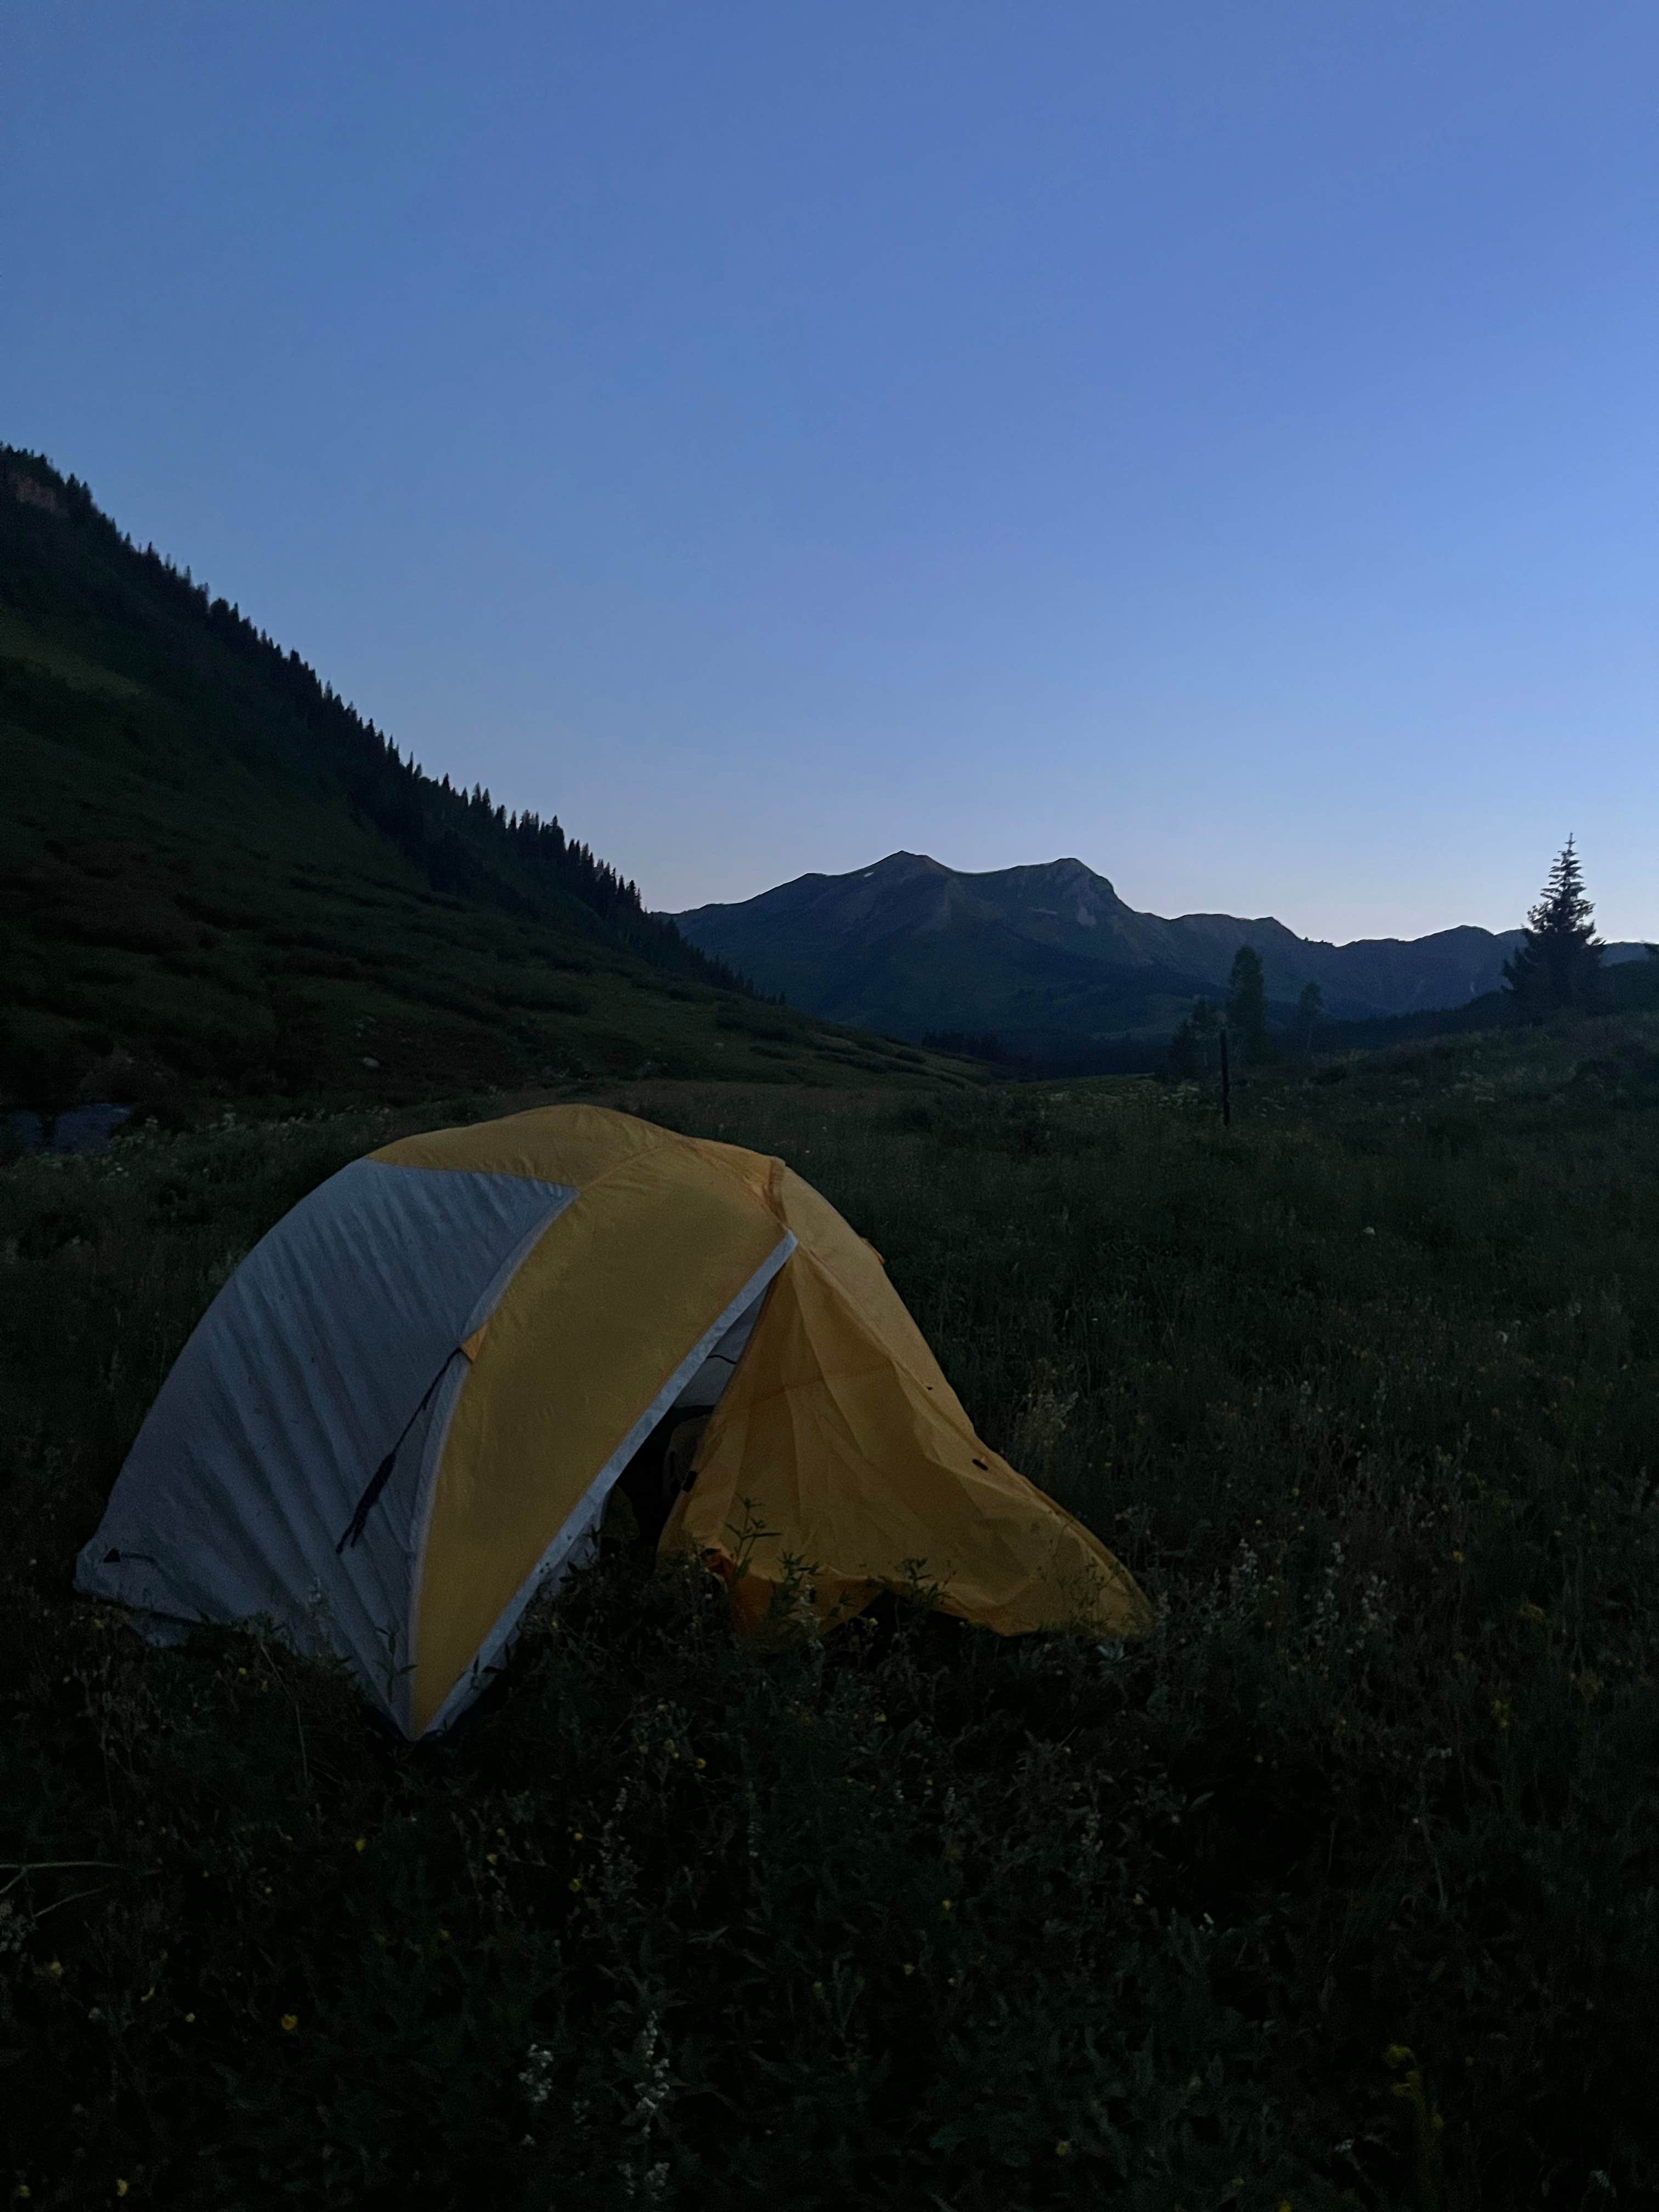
<point>362,1844</point>
<point>1062,2149</point>
<point>947,1905</point>
<point>443,1934</point>
<point>1500,1712</point>
<point>55,1968</point>
<point>1457,1558</point>
<point>1398,2054</point>
<point>909,1970</point>
<point>490,1858</point>
<point>575,1883</point>
<point>189,2020</point>
<point>290,2021</point>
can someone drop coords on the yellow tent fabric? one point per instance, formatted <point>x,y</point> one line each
<point>838,1462</point>
<point>402,1415</point>
<point>840,1437</point>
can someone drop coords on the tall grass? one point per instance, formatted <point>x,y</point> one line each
<point>1337,1889</point>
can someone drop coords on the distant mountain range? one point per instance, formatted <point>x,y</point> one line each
<point>1048,958</point>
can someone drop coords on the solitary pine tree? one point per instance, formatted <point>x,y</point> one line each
<point>1558,961</point>
<point>1246,1004</point>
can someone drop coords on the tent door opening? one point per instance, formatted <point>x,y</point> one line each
<point>663,1466</point>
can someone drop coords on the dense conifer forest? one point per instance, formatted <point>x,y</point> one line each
<point>89,575</point>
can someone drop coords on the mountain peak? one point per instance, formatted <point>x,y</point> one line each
<point>1048,949</point>
<point>901,864</point>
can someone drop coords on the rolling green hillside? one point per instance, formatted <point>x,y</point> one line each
<point>217,879</point>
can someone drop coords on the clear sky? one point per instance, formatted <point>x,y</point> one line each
<point>1217,441</point>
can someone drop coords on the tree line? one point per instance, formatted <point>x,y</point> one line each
<point>463,842</point>
<point>1555,968</point>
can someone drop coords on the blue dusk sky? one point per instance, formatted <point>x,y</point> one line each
<point>1217,441</point>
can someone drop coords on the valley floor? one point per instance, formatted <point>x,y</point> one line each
<point>1337,1889</point>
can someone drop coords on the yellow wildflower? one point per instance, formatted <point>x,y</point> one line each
<point>290,2021</point>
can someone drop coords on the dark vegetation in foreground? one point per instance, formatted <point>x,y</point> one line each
<point>1339,1889</point>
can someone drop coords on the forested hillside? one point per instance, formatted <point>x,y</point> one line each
<point>217,877</point>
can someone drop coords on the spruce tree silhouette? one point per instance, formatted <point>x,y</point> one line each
<point>1558,962</point>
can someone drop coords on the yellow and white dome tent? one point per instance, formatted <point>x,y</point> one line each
<point>402,1414</point>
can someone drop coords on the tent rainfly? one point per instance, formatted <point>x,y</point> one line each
<point>401,1416</point>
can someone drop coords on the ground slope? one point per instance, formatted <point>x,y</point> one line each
<point>216,878</point>
<point>1338,1891</point>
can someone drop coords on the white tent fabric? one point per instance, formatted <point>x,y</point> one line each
<point>334,1343</point>
<point>287,1468</point>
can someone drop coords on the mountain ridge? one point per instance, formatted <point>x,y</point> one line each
<point>1047,951</point>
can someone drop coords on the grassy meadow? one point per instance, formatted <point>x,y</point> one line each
<point>1341,1888</point>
